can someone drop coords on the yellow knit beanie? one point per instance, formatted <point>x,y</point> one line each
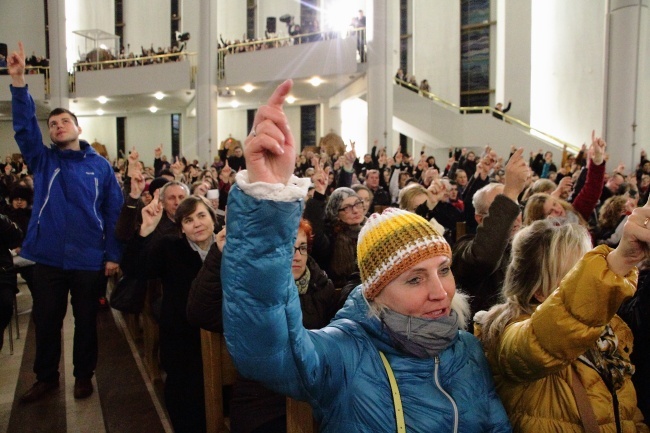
<point>391,243</point>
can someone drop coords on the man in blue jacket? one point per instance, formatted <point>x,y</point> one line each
<point>71,234</point>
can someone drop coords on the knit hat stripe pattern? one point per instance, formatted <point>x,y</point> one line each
<point>391,243</point>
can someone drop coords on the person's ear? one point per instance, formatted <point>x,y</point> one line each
<point>478,218</point>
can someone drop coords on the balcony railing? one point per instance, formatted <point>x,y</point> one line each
<point>285,41</point>
<point>133,62</point>
<point>520,124</point>
<point>35,70</point>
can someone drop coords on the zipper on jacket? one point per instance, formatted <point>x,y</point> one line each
<point>47,197</point>
<point>101,226</point>
<point>453,403</point>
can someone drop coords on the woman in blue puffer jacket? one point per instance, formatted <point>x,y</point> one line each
<point>404,322</point>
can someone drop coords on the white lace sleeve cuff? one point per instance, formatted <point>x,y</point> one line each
<point>295,190</point>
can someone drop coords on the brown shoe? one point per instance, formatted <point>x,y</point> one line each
<point>38,390</point>
<point>83,388</point>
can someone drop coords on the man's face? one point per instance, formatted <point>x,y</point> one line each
<point>63,130</point>
<point>239,152</point>
<point>372,180</point>
<point>174,195</point>
<point>548,157</point>
<point>615,182</point>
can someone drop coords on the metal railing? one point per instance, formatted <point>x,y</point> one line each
<point>133,62</point>
<point>551,139</point>
<point>286,41</point>
<point>35,70</point>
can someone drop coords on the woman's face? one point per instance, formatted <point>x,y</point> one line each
<point>198,226</point>
<point>553,208</point>
<point>424,290</point>
<point>352,214</point>
<point>146,197</point>
<point>417,201</point>
<point>19,203</point>
<point>299,263</point>
<point>365,198</point>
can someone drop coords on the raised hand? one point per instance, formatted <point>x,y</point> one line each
<point>177,167</point>
<point>133,159</point>
<point>270,148</point>
<point>151,215</point>
<point>633,247</point>
<point>225,173</point>
<point>564,187</point>
<point>16,66</point>
<point>320,178</point>
<point>516,172</point>
<point>137,184</point>
<point>597,149</point>
<point>350,158</point>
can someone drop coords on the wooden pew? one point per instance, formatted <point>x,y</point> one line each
<point>300,418</point>
<point>218,371</point>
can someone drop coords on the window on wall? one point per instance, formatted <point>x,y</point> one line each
<point>475,53</point>
<point>308,115</point>
<point>47,31</point>
<point>251,9</point>
<point>404,35</point>
<point>175,21</point>
<point>119,22</point>
<point>176,134</point>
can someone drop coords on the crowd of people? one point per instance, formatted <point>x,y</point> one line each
<point>485,293</point>
<point>127,58</point>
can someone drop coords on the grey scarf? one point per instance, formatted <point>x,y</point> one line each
<point>202,253</point>
<point>424,338</point>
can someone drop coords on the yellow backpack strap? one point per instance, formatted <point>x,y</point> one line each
<point>397,400</point>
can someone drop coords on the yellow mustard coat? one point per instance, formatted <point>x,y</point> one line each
<point>535,360</point>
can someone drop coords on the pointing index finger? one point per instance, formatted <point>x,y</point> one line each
<point>280,94</point>
<point>21,49</point>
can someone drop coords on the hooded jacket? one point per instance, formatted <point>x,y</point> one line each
<point>77,199</point>
<point>536,359</point>
<point>337,369</point>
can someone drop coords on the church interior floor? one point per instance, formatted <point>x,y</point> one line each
<point>124,401</point>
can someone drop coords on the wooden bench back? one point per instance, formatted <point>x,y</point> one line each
<point>218,371</point>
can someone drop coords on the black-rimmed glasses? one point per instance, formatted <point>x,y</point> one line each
<point>351,207</point>
<point>302,249</point>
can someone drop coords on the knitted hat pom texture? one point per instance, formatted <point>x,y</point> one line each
<point>391,243</point>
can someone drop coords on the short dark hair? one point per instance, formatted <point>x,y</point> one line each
<point>188,206</point>
<point>58,111</point>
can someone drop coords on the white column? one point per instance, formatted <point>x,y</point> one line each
<point>380,43</point>
<point>207,141</point>
<point>59,95</point>
<point>626,91</point>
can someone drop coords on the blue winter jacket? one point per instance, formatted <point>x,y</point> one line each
<point>338,369</point>
<point>77,199</point>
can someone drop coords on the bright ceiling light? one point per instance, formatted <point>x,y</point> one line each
<point>235,104</point>
<point>102,99</point>
<point>159,95</point>
<point>290,99</point>
<point>100,112</point>
<point>315,81</point>
<point>103,47</point>
<point>248,88</point>
<point>153,109</point>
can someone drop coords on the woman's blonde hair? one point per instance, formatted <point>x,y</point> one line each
<point>542,254</point>
<point>408,193</point>
<point>534,210</point>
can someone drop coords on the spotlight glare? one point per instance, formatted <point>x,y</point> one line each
<point>102,99</point>
<point>159,95</point>
<point>153,109</point>
<point>290,99</point>
<point>248,88</point>
<point>235,104</point>
<point>316,81</point>
<point>100,112</point>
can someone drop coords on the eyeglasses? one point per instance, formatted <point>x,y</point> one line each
<point>302,249</point>
<point>351,207</point>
